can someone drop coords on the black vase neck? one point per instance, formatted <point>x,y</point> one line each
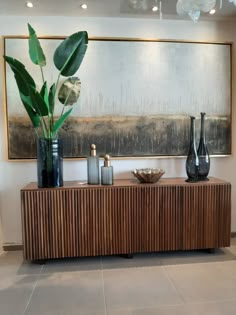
<point>192,134</point>
<point>202,133</point>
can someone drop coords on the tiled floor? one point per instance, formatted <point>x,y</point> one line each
<point>178,283</point>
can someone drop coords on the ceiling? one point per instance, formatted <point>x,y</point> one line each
<point>105,8</point>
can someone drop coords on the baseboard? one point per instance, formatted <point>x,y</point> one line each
<point>9,248</point>
<point>233,234</point>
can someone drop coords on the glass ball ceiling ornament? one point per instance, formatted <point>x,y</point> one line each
<point>138,4</point>
<point>193,8</point>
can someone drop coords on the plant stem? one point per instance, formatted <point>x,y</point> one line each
<point>37,134</point>
<point>62,111</point>
<point>68,95</point>
<point>41,69</point>
<point>57,81</point>
<point>44,127</point>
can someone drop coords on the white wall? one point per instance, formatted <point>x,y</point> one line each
<point>14,175</point>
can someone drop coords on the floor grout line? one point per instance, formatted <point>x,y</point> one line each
<point>173,285</point>
<point>31,295</point>
<point>27,304</point>
<point>210,301</point>
<point>103,288</point>
<point>42,267</point>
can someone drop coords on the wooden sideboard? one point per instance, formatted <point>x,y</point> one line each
<point>127,217</point>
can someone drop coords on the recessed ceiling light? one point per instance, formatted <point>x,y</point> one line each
<point>84,6</point>
<point>29,4</point>
<point>155,8</point>
<point>213,11</point>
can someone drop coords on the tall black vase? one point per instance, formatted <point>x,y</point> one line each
<point>192,161</point>
<point>202,151</point>
<point>50,162</point>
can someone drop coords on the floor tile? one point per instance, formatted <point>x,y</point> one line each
<point>75,291</point>
<point>233,241</point>
<point>138,260</point>
<point>196,256</point>
<point>15,293</point>
<point>216,308</point>
<point>172,310</point>
<point>168,258</point>
<point>232,249</point>
<point>138,287</point>
<point>89,313</point>
<point>56,312</point>
<point>71,265</point>
<point>12,263</point>
<point>204,282</point>
<point>69,311</point>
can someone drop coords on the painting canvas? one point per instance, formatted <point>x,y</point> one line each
<point>136,98</point>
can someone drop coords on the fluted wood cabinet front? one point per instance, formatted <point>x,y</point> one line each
<point>84,220</point>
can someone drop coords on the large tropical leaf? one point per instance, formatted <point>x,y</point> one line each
<point>70,53</point>
<point>26,86</point>
<point>61,120</point>
<point>34,117</point>
<point>69,91</point>
<point>35,50</point>
<point>23,78</point>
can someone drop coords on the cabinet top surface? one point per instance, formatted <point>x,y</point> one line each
<point>130,183</point>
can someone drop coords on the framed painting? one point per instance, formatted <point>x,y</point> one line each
<point>136,97</point>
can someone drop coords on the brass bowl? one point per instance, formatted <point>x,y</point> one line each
<point>148,175</point>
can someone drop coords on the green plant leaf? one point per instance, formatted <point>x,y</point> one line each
<point>44,94</point>
<point>38,103</point>
<point>61,120</point>
<point>27,89</point>
<point>23,78</point>
<point>69,91</point>
<point>34,117</point>
<point>51,98</point>
<point>35,50</point>
<point>70,53</point>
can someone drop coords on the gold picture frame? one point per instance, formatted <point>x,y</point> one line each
<point>136,97</point>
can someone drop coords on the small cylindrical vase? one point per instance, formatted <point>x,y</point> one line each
<point>107,171</point>
<point>107,175</point>
<point>50,162</point>
<point>93,166</point>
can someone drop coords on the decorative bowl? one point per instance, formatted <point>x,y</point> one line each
<point>148,175</point>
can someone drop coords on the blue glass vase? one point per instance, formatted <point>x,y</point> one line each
<point>49,162</point>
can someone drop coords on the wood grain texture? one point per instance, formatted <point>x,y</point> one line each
<point>84,220</point>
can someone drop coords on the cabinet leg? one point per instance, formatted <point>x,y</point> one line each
<point>128,256</point>
<point>39,261</point>
<point>211,250</point>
